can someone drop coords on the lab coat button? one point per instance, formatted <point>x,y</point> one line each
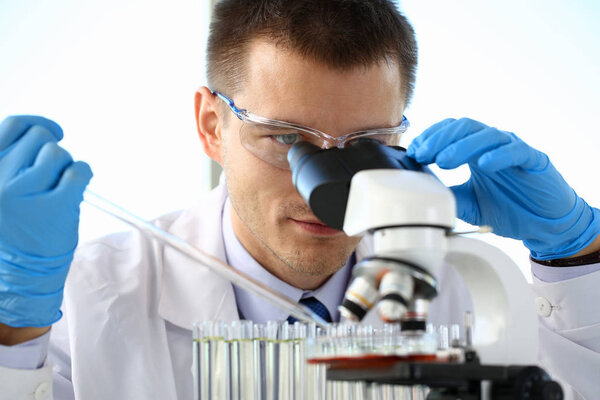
<point>543,306</point>
<point>42,391</point>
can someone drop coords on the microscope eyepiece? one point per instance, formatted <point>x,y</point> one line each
<point>322,177</point>
<point>299,151</point>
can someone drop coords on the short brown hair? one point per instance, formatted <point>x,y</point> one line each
<point>339,33</point>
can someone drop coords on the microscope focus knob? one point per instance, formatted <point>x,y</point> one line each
<point>527,383</point>
<point>549,390</point>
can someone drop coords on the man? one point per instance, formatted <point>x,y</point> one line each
<point>336,66</point>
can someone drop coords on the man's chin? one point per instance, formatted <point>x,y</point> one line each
<point>314,264</point>
<point>315,271</point>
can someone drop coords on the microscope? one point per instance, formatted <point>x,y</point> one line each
<point>374,190</point>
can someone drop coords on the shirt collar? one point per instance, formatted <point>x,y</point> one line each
<point>254,308</point>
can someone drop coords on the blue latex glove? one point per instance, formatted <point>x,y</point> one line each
<point>513,187</point>
<point>41,189</point>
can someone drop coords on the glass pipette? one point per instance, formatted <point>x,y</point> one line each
<point>299,311</point>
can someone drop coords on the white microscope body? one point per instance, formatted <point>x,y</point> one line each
<point>410,215</point>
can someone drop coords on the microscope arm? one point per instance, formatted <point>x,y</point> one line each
<point>505,320</point>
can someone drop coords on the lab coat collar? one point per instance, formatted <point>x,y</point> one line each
<point>190,292</point>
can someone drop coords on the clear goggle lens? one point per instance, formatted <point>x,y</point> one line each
<point>272,143</point>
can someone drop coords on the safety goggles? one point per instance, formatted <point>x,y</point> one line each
<point>270,139</point>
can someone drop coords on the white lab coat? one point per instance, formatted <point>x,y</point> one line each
<point>130,304</point>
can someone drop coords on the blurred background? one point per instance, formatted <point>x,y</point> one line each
<point>120,77</point>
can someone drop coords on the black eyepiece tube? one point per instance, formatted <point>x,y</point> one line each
<point>322,177</point>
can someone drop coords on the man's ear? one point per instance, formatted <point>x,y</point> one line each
<point>209,124</point>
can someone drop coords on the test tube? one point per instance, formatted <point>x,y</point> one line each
<point>260,368</point>
<point>241,380</point>
<point>359,391</point>
<point>212,360</point>
<point>444,337</point>
<point>468,329</point>
<point>246,360</point>
<point>419,392</point>
<point>220,374</point>
<point>300,333</point>
<point>286,365</point>
<point>315,372</point>
<point>205,368</point>
<point>455,335</point>
<point>231,363</point>
<point>272,361</point>
<point>198,334</point>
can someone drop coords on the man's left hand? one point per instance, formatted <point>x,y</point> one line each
<point>513,187</point>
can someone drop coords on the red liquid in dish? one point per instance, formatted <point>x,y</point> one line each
<point>369,360</point>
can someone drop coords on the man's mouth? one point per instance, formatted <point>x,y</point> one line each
<point>315,227</point>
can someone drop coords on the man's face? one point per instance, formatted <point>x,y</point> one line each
<point>269,217</point>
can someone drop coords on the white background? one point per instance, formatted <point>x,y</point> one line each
<point>120,76</point>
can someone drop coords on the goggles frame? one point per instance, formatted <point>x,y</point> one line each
<point>250,118</point>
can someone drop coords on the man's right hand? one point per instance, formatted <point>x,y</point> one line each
<point>41,189</point>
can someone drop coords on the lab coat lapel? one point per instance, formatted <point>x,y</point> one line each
<point>190,292</point>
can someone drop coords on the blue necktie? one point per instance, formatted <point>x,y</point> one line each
<point>316,306</point>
